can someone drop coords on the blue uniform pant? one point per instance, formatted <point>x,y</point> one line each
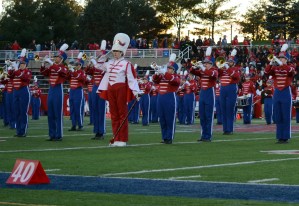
<point>77,101</point>
<point>10,110</point>
<point>135,111</point>
<point>180,109</point>
<point>268,109</point>
<point>153,109</point>
<point>145,108</point>
<point>5,112</point>
<point>90,107</point>
<point>55,111</point>
<point>167,104</point>
<point>99,112</point>
<point>282,105</point>
<point>247,111</point>
<point>297,115</point>
<point>218,110</point>
<point>206,112</point>
<point>21,102</point>
<point>228,99</point>
<point>189,108</point>
<point>35,105</point>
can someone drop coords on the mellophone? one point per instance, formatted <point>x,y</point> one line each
<point>242,101</point>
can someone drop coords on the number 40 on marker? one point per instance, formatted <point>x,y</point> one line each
<point>28,172</point>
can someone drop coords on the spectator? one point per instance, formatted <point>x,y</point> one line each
<point>52,45</point>
<point>32,46</point>
<point>133,42</point>
<point>224,41</point>
<point>165,43</point>
<point>15,46</point>
<point>155,42</point>
<point>198,42</point>
<point>75,45</point>
<point>235,41</point>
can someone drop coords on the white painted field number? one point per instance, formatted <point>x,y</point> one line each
<point>23,172</point>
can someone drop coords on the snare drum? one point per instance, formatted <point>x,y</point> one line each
<point>242,101</point>
<point>295,103</point>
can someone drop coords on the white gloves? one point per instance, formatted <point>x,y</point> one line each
<point>88,77</point>
<point>9,68</point>
<point>297,98</point>
<point>161,71</point>
<point>187,83</point>
<point>15,66</point>
<point>71,69</point>
<point>94,62</point>
<point>201,66</point>
<point>137,94</point>
<point>48,60</point>
<point>103,58</point>
<point>226,66</point>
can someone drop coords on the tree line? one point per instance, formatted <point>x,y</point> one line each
<point>46,20</point>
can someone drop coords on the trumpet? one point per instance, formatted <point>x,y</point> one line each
<point>220,62</point>
<point>155,66</point>
<point>37,58</point>
<point>272,58</point>
<point>196,63</point>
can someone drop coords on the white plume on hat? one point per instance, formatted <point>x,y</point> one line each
<point>147,72</point>
<point>23,53</point>
<point>135,66</point>
<point>35,79</point>
<point>185,73</point>
<point>209,51</point>
<point>247,70</point>
<point>80,55</point>
<point>121,42</point>
<point>172,57</point>
<point>234,52</point>
<point>103,45</point>
<point>64,47</point>
<point>284,47</point>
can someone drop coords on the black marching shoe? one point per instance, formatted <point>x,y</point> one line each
<point>98,136</point>
<point>80,129</point>
<point>165,141</point>
<point>282,141</point>
<point>73,128</point>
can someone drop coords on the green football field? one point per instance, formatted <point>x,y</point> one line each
<point>246,168</point>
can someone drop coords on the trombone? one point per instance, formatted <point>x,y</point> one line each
<point>196,63</point>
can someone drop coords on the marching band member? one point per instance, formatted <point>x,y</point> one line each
<point>190,89</point>
<point>209,75</point>
<point>56,72</point>
<point>218,104</point>
<point>282,99</point>
<point>248,92</point>
<point>135,113</point>
<point>229,78</point>
<point>98,103</point>
<point>119,86</point>
<point>180,99</point>
<point>153,103</point>
<point>8,116</point>
<point>168,82</point>
<point>297,104</point>
<point>145,87</point>
<point>268,100</point>
<point>77,78</point>
<point>35,100</point>
<point>89,85</point>
<point>21,96</point>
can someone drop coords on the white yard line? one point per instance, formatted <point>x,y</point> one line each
<point>51,170</point>
<point>130,145</point>
<point>198,167</point>
<point>263,180</point>
<point>184,177</point>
